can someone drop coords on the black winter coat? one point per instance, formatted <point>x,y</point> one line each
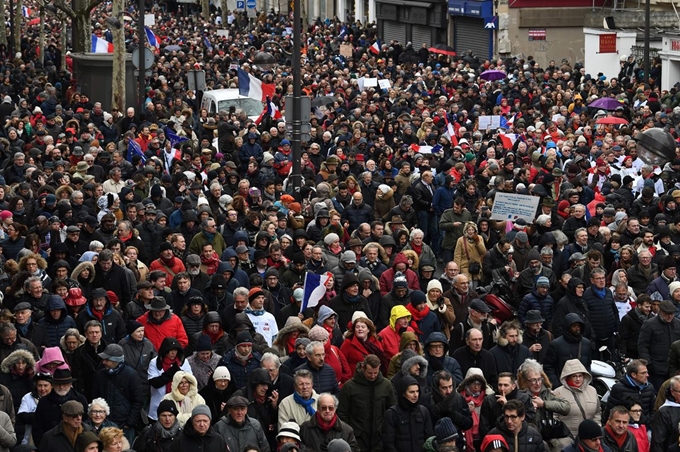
<point>544,338</point>
<point>404,429</point>
<point>656,337</point>
<point>363,405</point>
<point>629,332</point>
<point>190,441</point>
<point>48,412</point>
<point>491,412</point>
<point>570,303</point>
<point>357,215</point>
<point>315,439</point>
<point>563,349</point>
<point>528,439</point>
<point>345,309</point>
<point>323,380</point>
<point>55,440</point>
<point>452,406</point>
<point>625,390</point>
<point>509,357</point>
<point>482,360</point>
<point>122,389</point>
<point>604,316</point>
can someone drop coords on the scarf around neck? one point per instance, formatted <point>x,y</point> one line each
<point>326,426</point>
<point>306,404</point>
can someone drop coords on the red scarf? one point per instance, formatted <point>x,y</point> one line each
<point>417,249</point>
<point>474,430</point>
<point>619,439</point>
<point>326,426</point>
<point>417,316</point>
<point>167,364</point>
<point>211,263</point>
<point>98,314</point>
<point>290,344</point>
<point>214,337</point>
<point>125,239</point>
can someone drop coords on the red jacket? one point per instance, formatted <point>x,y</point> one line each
<point>387,278</point>
<point>171,326</point>
<point>355,351</point>
<point>170,271</point>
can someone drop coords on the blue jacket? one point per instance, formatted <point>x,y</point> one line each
<point>240,371</point>
<point>427,325</point>
<point>324,379</point>
<point>604,316</point>
<point>533,300</point>
<point>56,327</point>
<point>450,364</point>
<point>443,197</point>
<point>357,215</point>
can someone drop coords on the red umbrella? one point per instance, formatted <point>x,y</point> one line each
<point>612,120</point>
<point>442,49</point>
<point>35,21</point>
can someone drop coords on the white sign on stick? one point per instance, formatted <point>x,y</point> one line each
<point>511,207</point>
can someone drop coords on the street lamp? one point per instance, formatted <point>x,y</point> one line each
<point>266,61</point>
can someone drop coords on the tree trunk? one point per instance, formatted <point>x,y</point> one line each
<point>118,95</point>
<point>41,42</point>
<point>18,19</point>
<point>81,34</point>
<point>225,8</point>
<point>3,34</point>
<point>205,10</point>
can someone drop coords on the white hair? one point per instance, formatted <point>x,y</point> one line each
<point>100,402</point>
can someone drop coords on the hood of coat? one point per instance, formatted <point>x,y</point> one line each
<point>504,342</point>
<point>574,366</point>
<point>406,338</point>
<point>14,357</point>
<point>410,359</point>
<point>397,313</point>
<point>193,385</point>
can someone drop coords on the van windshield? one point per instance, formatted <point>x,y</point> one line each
<point>250,106</point>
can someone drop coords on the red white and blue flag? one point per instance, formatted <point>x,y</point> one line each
<point>250,86</point>
<point>101,45</point>
<point>375,47</point>
<point>270,109</point>
<point>314,289</point>
<point>25,11</point>
<point>154,41</point>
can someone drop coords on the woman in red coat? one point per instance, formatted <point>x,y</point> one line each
<point>362,340</point>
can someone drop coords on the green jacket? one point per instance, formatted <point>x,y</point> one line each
<point>218,243</point>
<point>452,233</point>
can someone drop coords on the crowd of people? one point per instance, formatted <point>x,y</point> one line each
<point>155,300</point>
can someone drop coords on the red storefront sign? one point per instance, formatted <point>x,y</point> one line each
<point>537,34</point>
<point>608,43</point>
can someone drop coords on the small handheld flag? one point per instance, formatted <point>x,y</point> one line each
<point>314,289</point>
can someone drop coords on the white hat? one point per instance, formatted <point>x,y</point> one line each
<point>358,315</point>
<point>289,430</point>
<point>221,373</point>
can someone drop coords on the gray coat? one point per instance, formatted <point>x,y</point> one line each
<point>237,438</point>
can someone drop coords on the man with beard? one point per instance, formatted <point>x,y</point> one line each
<point>509,351</point>
<point>535,269</point>
<point>150,232</point>
<point>48,412</point>
<point>198,279</point>
<point>112,277</point>
<point>448,403</point>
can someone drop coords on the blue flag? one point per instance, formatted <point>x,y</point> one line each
<point>135,149</point>
<point>206,41</point>
<point>314,289</point>
<point>173,137</point>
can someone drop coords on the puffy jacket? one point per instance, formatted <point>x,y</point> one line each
<point>406,427</point>
<point>113,326</point>
<point>18,385</point>
<point>659,285</point>
<point>629,445</point>
<point>444,363</point>
<point>626,389</point>
<point>240,371</point>
<point>357,215</point>
<point>184,403</point>
<point>363,405</point>
<point>527,440</point>
<point>158,378</point>
<point>238,437</point>
<point>56,327</point>
<point>169,326</point>
<point>452,406</point>
<point>533,300</point>
<point>122,390</point>
<point>604,316</point>
<point>387,278</point>
<point>324,379</point>
<point>656,338</point>
<point>390,337</point>
<point>567,347</point>
<point>570,303</point>
<point>346,309</point>
<point>586,395</point>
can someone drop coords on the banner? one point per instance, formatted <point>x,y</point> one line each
<point>510,207</point>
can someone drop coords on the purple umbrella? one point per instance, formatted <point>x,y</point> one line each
<point>492,75</point>
<point>605,103</point>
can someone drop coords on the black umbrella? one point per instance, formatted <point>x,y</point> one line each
<point>323,101</point>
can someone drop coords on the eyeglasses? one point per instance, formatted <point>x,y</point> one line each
<point>97,412</point>
<point>512,417</point>
<point>326,408</point>
<point>535,381</point>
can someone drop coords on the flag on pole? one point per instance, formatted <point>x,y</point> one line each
<point>154,41</point>
<point>100,45</point>
<point>173,137</point>
<point>508,139</point>
<point>269,109</point>
<point>343,32</point>
<point>135,149</point>
<point>208,46</point>
<point>250,86</point>
<point>26,12</point>
<point>314,289</point>
<point>450,132</point>
<point>375,47</point>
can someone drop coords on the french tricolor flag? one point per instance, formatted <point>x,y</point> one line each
<point>152,38</point>
<point>25,11</point>
<point>508,139</point>
<point>250,86</point>
<point>270,109</point>
<point>100,45</point>
<point>314,289</point>
<point>375,47</point>
<point>450,132</point>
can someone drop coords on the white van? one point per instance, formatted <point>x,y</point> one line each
<point>224,99</point>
